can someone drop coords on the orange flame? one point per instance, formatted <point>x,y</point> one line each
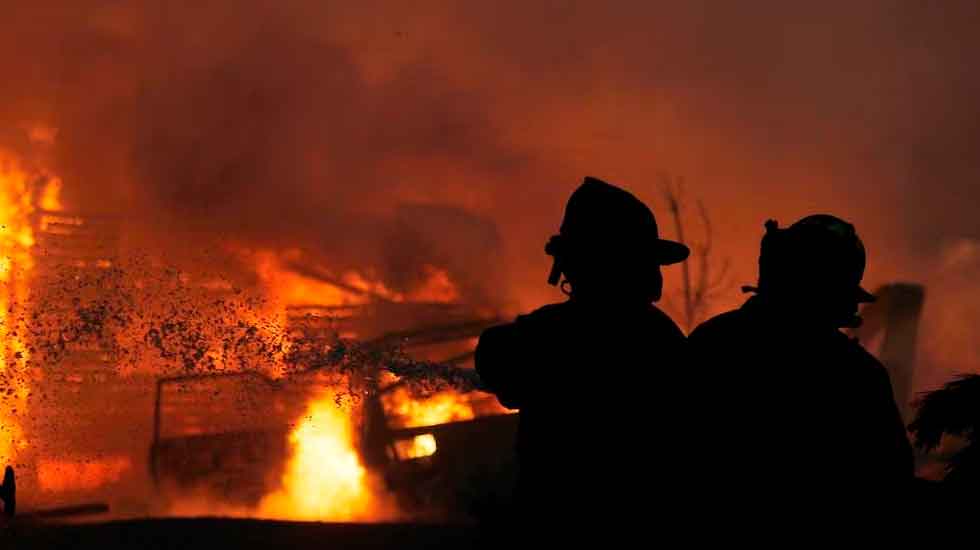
<point>289,288</point>
<point>325,479</point>
<point>420,446</point>
<point>409,412</point>
<point>16,263</point>
<point>51,196</point>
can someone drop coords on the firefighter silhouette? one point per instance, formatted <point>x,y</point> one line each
<point>586,373</point>
<point>792,407</point>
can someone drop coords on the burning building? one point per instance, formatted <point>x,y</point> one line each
<point>291,392</point>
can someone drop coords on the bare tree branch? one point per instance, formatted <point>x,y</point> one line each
<point>697,294</point>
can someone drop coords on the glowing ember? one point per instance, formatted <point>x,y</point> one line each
<point>324,479</point>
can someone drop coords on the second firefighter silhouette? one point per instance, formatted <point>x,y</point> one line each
<point>582,372</point>
<point>791,406</point>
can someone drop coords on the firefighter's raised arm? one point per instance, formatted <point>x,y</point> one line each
<point>497,364</point>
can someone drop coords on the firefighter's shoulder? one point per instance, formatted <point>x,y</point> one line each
<point>664,325</point>
<point>723,325</point>
<point>545,313</point>
<point>858,353</point>
<point>860,360</point>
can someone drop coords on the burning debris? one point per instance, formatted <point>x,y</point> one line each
<point>90,328</point>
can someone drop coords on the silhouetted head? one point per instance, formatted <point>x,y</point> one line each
<point>814,268</point>
<point>608,246</point>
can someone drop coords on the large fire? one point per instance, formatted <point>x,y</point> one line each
<point>325,479</point>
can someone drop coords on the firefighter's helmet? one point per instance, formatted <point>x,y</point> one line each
<point>600,216</point>
<point>819,250</point>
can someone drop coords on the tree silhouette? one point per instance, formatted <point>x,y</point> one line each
<point>701,282</point>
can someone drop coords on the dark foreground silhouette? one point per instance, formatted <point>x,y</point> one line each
<point>220,533</point>
<point>794,409</point>
<point>588,374</point>
<point>8,492</point>
<point>952,412</point>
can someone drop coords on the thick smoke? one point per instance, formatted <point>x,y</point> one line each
<point>254,124</point>
<point>314,124</point>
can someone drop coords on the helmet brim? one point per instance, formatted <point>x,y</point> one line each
<point>671,252</point>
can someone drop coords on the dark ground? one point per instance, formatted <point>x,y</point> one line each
<point>213,534</point>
